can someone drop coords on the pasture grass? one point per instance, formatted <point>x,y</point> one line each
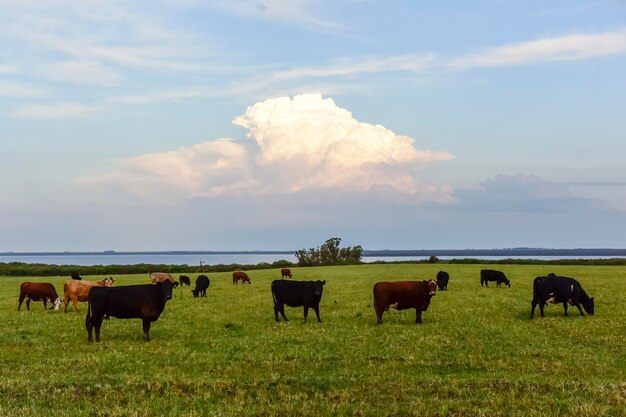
<point>476,354</point>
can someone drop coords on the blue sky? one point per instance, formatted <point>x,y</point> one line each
<point>276,124</point>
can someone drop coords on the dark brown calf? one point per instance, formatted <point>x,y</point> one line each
<point>240,276</point>
<point>402,295</point>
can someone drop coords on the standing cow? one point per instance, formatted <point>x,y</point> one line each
<point>38,291</point>
<point>305,294</point>
<point>555,289</point>
<point>487,275</point>
<point>403,295</point>
<point>161,276</point>
<point>285,272</point>
<point>145,302</point>
<point>442,280</point>
<point>240,276</point>
<point>202,284</point>
<point>184,280</point>
<point>79,290</point>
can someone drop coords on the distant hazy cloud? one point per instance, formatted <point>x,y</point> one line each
<point>299,143</point>
<point>562,48</point>
<point>81,72</point>
<point>8,69</point>
<point>61,110</point>
<point>13,89</point>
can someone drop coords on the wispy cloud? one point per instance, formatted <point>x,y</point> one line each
<point>562,48</point>
<point>13,89</point>
<point>8,69</point>
<point>81,72</point>
<point>61,110</point>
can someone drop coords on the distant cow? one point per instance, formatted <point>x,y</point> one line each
<point>487,275</point>
<point>79,290</point>
<point>442,280</point>
<point>184,280</point>
<point>240,276</point>
<point>403,295</point>
<point>305,294</point>
<point>161,276</point>
<point>144,302</point>
<point>555,289</point>
<point>38,291</point>
<point>285,272</point>
<point>202,284</point>
<point>75,276</point>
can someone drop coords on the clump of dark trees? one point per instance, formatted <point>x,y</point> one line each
<point>329,253</point>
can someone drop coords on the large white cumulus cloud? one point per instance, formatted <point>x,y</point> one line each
<point>324,146</point>
<point>296,144</point>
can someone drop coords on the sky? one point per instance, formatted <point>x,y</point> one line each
<point>277,124</point>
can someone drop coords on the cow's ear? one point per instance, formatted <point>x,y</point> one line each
<point>324,282</point>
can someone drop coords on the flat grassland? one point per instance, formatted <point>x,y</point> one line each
<point>476,354</point>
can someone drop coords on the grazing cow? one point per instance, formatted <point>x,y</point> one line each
<point>285,272</point>
<point>305,294</point>
<point>184,280</point>
<point>240,276</point>
<point>79,290</point>
<point>202,284</point>
<point>442,280</point>
<point>161,276</point>
<point>402,295</point>
<point>75,276</point>
<point>38,291</point>
<point>144,302</point>
<point>555,289</point>
<point>487,275</point>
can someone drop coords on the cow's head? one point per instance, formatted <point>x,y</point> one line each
<point>432,287</point>
<point>167,288</point>
<point>318,287</point>
<point>588,305</point>
<point>57,303</point>
<point>507,282</point>
<point>108,281</point>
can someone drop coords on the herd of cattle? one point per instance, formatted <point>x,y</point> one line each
<point>147,301</point>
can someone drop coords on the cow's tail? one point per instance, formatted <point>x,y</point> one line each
<point>88,312</point>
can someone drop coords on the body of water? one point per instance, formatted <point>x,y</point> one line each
<point>215,259</point>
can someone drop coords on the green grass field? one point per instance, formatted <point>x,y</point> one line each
<point>476,354</point>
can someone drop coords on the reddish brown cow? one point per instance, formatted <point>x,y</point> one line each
<point>402,295</point>
<point>240,276</point>
<point>160,277</point>
<point>79,290</point>
<point>38,291</point>
<point>285,272</point>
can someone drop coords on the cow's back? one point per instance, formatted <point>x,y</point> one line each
<point>293,293</point>
<point>404,293</point>
<point>38,290</point>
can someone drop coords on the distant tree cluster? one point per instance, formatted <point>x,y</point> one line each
<point>329,253</point>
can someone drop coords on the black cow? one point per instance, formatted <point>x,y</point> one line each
<point>202,283</point>
<point>184,280</point>
<point>75,276</point>
<point>296,294</point>
<point>492,275</point>
<point>144,302</point>
<point>555,289</point>
<point>442,280</point>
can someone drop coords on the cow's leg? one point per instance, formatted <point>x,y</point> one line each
<point>20,301</point>
<point>565,308</point>
<point>306,312</point>
<point>317,313</point>
<point>276,311</point>
<point>532,310</point>
<point>379,313</point>
<point>146,330</point>
<point>418,316</point>
<point>282,311</point>
<point>66,301</point>
<point>89,326</point>
<point>45,303</point>
<point>28,304</point>
<point>541,306</point>
<point>577,304</point>
<point>97,325</point>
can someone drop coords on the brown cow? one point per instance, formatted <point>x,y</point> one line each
<point>79,290</point>
<point>402,295</point>
<point>38,291</point>
<point>285,272</point>
<point>160,277</point>
<point>240,276</point>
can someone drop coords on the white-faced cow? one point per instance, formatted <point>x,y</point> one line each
<point>555,289</point>
<point>202,284</point>
<point>487,275</point>
<point>38,291</point>
<point>145,302</point>
<point>305,294</point>
<point>403,295</point>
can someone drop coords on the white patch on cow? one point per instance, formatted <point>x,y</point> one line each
<point>394,305</point>
<point>57,303</point>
